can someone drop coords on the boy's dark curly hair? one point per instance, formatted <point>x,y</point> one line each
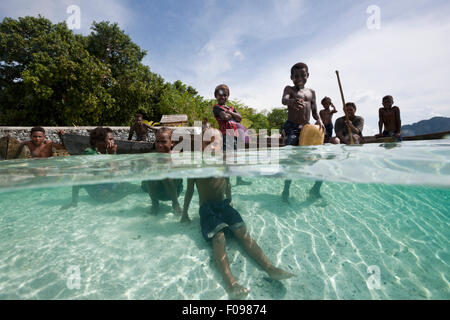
<point>97,134</point>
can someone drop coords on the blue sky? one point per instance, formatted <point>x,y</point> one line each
<point>251,45</point>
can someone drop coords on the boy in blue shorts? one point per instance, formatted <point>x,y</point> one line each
<point>327,117</point>
<point>301,103</point>
<point>216,215</point>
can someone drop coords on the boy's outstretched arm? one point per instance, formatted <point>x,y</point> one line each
<point>187,200</point>
<point>150,127</point>
<point>60,145</point>
<point>286,98</point>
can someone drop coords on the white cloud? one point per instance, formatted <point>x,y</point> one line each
<point>407,59</point>
<point>223,51</point>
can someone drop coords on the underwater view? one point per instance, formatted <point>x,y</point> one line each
<point>378,229</point>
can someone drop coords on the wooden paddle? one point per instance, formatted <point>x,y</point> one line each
<point>345,110</point>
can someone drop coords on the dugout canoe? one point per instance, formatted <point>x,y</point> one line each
<point>429,136</point>
<point>10,148</point>
<point>75,144</point>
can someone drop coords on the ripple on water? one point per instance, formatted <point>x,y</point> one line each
<point>124,253</point>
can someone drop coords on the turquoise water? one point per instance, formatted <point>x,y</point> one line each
<point>380,230</point>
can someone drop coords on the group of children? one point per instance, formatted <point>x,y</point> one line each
<point>216,209</point>
<point>301,103</point>
<point>215,201</point>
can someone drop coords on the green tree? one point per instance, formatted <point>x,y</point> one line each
<point>277,117</point>
<point>133,87</point>
<point>50,76</point>
<point>47,76</point>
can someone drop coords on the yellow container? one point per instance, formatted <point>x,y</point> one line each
<point>311,135</point>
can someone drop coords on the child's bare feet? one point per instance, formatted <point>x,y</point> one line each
<point>178,210</point>
<point>237,292</point>
<point>314,194</point>
<point>279,274</point>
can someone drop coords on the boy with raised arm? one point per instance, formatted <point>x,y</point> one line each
<point>389,116</point>
<point>301,103</point>
<point>327,115</point>
<point>217,214</point>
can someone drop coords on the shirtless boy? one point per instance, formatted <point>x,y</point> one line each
<point>301,103</point>
<point>327,115</point>
<point>390,118</point>
<point>167,189</point>
<point>140,128</point>
<point>355,123</point>
<point>39,147</point>
<point>217,214</point>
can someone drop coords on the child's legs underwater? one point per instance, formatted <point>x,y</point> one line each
<point>111,192</point>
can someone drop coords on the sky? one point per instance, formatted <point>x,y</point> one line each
<point>397,48</point>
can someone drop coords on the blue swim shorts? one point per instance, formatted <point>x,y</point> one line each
<point>215,216</point>
<point>292,131</point>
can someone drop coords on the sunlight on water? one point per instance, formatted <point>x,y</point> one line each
<point>380,231</point>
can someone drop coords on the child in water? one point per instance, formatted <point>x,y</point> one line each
<point>216,215</point>
<point>102,142</point>
<point>327,117</point>
<point>167,189</point>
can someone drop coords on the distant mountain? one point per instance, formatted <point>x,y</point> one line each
<point>436,124</point>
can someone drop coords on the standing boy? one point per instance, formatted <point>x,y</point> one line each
<point>216,215</point>
<point>227,117</point>
<point>140,128</point>
<point>327,117</point>
<point>301,103</point>
<point>389,117</point>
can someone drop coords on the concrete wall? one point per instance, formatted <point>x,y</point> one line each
<point>23,133</point>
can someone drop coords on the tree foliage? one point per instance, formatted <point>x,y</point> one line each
<point>50,76</point>
<point>277,117</point>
